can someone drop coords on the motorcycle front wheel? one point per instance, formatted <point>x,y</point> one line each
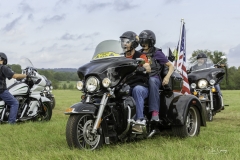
<point>191,126</point>
<point>53,102</point>
<point>46,114</point>
<point>79,133</point>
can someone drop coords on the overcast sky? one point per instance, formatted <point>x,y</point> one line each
<point>64,33</point>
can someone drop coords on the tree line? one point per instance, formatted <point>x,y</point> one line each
<point>230,82</point>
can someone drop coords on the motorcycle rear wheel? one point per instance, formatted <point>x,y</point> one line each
<point>78,133</point>
<point>191,126</point>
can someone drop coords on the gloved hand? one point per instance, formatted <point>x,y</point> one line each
<point>140,70</point>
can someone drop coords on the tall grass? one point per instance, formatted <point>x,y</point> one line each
<point>219,140</point>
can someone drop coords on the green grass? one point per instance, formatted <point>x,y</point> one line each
<point>219,140</point>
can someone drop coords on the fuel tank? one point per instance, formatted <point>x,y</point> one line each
<point>18,88</point>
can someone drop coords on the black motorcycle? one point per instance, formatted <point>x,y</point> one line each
<point>48,92</point>
<point>203,84</point>
<point>106,111</point>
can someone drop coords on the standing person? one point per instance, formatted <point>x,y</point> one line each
<point>8,98</point>
<point>129,41</point>
<point>156,58</point>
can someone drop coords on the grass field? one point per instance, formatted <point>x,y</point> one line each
<point>37,141</point>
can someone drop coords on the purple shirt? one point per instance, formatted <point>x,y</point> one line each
<point>160,57</point>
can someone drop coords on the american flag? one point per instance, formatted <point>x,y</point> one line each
<point>181,62</point>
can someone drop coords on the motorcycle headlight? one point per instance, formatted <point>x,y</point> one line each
<point>80,85</point>
<point>212,81</point>
<point>92,84</point>
<point>202,83</point>
<point>47,88</point>
<point>51,87</point>
<point>193,85</point>
<point>106,82</point>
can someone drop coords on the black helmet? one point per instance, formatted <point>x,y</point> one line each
<point>147,36</point>
<point>3,58</point>
<point>201,55</point>
<point>132,37</point>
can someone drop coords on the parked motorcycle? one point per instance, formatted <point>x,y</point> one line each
<point>106,111</point>
<point>28,91</point>
<point>203,85</point>
<point>48,92</point>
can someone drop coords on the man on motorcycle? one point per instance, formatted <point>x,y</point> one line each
<point>156,59</point>
<point>201,64</point>
<point>129,41</point>
<point>9,99</point>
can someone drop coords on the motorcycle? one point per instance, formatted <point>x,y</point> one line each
<point>203,84</point>
<point>48,92</point>
<point>106,111</point>
<point>28,91</point>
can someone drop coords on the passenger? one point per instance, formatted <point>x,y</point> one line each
<point>129,41</point>
<point>156,58</point>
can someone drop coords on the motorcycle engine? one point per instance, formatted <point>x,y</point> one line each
<point>21,101</point>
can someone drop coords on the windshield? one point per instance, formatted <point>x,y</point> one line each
<point>200,64</point>
<point>108,49</point>
<point>25,62</point>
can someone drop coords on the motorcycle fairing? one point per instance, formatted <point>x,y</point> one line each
<point>83,108</point>
<point>208,74</point>
<point>114,68</point>
<point>44,99</point>
<point>178,109</point>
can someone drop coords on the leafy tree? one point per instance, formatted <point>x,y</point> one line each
<point>64,86</point>
<point>71,86</point>
<point>16,68</point>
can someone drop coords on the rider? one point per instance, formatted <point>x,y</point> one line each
<point>201,64</point>
<point>8,98</point>
<point>130,41</point>
<point>156,59</point>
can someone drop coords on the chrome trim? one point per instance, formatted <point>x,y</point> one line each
<point>100,112</point>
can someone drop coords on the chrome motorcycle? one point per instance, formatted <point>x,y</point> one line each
<point>204,84</point>
<point>106,111</point>
<point>28,91</point>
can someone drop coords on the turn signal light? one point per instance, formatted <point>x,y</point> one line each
<point>213,89</point>
<point>194,93</point>
<point>69,109</point>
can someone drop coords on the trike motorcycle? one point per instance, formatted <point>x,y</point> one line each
<point>204,84</point>
<point>106,111</point>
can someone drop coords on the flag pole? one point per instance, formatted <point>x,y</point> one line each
<point>180,40</point>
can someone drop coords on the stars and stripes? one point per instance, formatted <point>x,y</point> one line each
<point>181,61</point>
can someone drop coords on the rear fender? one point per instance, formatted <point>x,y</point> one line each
<point>179,107</point>
<point>81,108</point>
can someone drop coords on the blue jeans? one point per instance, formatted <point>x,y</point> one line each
<point>153,98</point>
<point>10,100</point>
<point>217,86</point>
<point>139,93</point>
